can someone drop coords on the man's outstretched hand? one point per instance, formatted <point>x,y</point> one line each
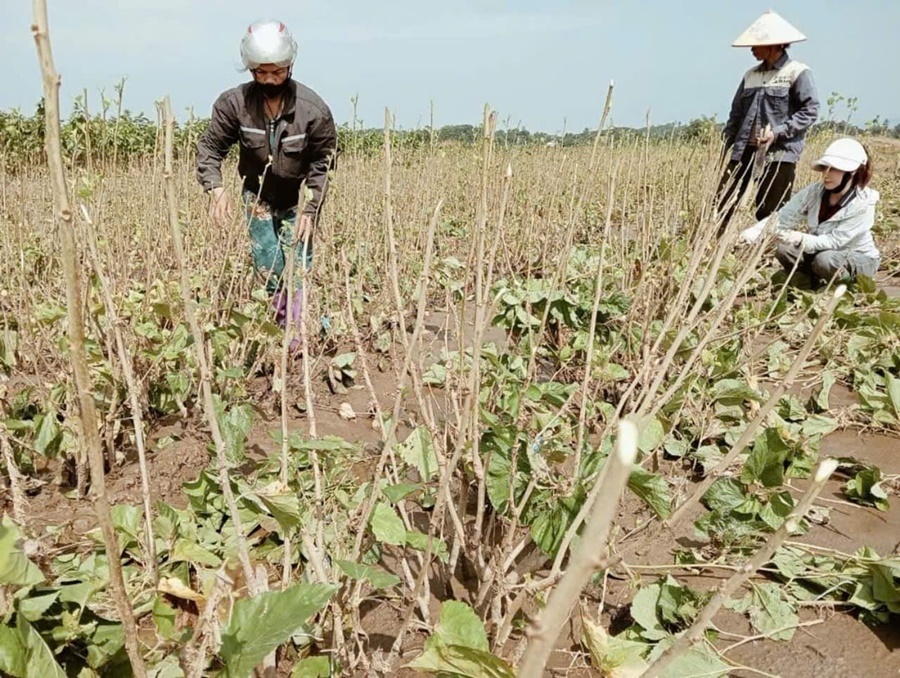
<point>220,207</point>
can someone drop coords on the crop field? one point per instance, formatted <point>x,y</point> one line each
<point>442,483</point>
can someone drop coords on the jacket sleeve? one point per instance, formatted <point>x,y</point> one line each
<point>793,213</point>
<point>843,233</point>
<point>729,134</point>
<point>322,145</point>
<point>805,102</point>
<point>213,145</point>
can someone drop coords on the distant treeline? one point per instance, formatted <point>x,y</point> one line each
<point>125,135</point>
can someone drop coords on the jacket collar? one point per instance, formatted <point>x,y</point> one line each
<point>851,204</point>
<point>255,99</point>
<point>782,61</point>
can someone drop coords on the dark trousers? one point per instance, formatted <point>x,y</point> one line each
<point>827,264</point>
<point>773,191</point>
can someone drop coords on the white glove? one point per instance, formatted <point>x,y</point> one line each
<point>750,235</point>
<point>794,238</point>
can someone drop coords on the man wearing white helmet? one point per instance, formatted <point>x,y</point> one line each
<point>774,106</point>
<point>838,212</point>
<point>286,135</point>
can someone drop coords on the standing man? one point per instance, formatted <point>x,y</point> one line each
<point>286,136</point>
<point>774,106</point>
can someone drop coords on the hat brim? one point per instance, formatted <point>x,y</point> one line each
<point>840,164</point>
<point>764,43</point>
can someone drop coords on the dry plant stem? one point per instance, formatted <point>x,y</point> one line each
<point>285,432</point>
<point>660,372</point>
<point>763,636</point>
<point>607,107</point>
<point>134,397</point>
<point>410,345</point>
<point>19,502</point>
<point>749,432</point>
<point>545,630</point>
<point>724,309</point>
<point>389,428</point>
<point>677,311</point>
<point>598,293</point>
<point>70,265</point>
<point>483,282</point>
<point>437,516</point>
<point>729,587</point>
<point>516,605</point>
<point>199,344</point>
<point>193,659</point>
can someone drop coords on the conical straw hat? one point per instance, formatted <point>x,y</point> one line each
<point>769,29</point>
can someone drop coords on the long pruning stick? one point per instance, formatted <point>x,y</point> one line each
<point>199,344</point>
<point>545,630</point>
<point>134,394</point>
<point>70,265</point>
<point>730,587</point>
<point>749,432</point>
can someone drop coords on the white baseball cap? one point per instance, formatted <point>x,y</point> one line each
<point>845,155</point>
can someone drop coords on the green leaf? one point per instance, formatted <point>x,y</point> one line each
<point>725,495</point>
<point>893,391</point>
<point>819,425</point>
<point>376,576</point>
<point>419,541</point>
<point>865,488</point>
<point>35,606</point>
<point>48,434</point>
<point>38,658</point>
<point>312,667</point>
<point>191,552</point>
<point>12,652</point>
<point>643,611</point>
<point>770,611</point>
<point>651,435</point>
<point>107,640</point>
<point>387,526</point>
<point>260,624</point>
<point>418,451</point>
<point>127,520</point>
<point>167,668</point>
<point>828,380</point>
<point>611,655</point>
<point>400,491</point>
<point>459,625</point>
<point>235,425</point>
<point>284,507</point>
<point>459,647</point>
<point>695,663</point>
<point>455,661</point>
<point>765,464</point>
<point>884,588</point>
<point>774,512</point>
<point>15,567</point>
<point>653,489</point>
<point>163,617</point>
<point>733,392</point>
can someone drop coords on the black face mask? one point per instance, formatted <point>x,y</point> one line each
<point>270,90</point>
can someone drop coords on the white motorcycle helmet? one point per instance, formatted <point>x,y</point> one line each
<point>268,42</point>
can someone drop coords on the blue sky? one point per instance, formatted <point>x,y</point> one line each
<point>540,64</point>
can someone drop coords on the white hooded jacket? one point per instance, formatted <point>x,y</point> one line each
<point>848,230</point>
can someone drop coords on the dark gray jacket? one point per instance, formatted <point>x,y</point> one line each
<point>305,142</point>
<point>783,97</point>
